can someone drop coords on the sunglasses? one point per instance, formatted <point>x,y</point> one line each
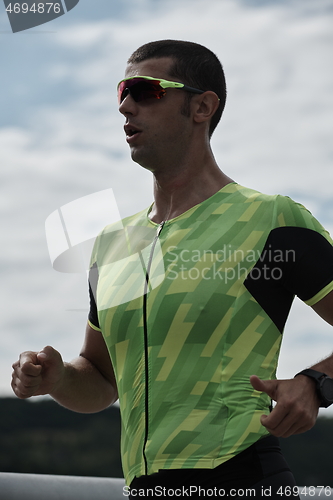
<point>146,87</point>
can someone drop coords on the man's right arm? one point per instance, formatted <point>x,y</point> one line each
<point>86,384</point>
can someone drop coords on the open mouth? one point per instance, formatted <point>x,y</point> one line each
<point>132,132</point>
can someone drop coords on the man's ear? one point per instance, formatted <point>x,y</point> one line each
<point>205,106</point>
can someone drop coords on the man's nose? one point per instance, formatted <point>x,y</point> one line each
<point>128,105</point>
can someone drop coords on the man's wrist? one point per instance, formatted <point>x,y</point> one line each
<point>323,384</point>
<point>58,386</point>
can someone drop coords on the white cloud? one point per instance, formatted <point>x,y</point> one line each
<point>276,128</point>
<point>275,136</point>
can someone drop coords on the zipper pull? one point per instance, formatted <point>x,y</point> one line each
<point>160,227</point>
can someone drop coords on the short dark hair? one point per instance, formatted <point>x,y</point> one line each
<point>194,65</point>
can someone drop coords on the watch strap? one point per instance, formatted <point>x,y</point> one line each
<point>318,377</point>
<point>312,374</point>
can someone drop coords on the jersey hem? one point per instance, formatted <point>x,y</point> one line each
<point>208,463</point>
<point>177,464</point>
<point>320,295</point>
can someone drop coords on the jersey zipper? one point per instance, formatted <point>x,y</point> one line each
<point>145,334</point>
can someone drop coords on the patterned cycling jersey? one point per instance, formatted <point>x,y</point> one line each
<point>192,307</point>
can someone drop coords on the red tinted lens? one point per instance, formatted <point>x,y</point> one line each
<point>140,89</point>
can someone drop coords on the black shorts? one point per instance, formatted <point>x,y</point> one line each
<point>260,471</point>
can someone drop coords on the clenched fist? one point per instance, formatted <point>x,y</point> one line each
<point>37,373</point>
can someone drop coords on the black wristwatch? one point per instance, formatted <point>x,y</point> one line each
<point>324,386</point>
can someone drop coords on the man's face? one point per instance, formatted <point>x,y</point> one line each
<point>157,130</point>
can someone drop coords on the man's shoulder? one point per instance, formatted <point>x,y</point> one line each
<point>283,201</point>
<point>248,195</point>
<point>284,209</point>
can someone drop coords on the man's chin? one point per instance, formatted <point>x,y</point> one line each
<point>141,160</point>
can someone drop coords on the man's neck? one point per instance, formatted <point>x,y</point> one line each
<point>177,192</point>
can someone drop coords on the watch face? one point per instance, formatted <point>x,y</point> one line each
<point>327,389</point>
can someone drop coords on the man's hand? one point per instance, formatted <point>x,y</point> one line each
<point>37,373</point>
<point>297,404</point>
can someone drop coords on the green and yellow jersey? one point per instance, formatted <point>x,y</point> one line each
<point>192,307</point>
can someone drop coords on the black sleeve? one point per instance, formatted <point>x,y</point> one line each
<point>93,280</point>
<point>295,261</point>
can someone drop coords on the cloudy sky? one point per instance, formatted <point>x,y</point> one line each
<point>61,139</point>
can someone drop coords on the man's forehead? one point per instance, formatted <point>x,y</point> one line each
<point>157,68</point>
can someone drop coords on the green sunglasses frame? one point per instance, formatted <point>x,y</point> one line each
<point>164,84</point>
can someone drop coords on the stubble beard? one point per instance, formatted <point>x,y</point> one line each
<point>153,160</point>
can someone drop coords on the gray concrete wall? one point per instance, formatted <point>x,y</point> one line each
<point>46,487</point>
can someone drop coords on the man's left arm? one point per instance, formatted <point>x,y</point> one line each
<point>297,402</point>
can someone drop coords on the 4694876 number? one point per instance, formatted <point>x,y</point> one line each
<point>35,8</point>
<point>311,491</point>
